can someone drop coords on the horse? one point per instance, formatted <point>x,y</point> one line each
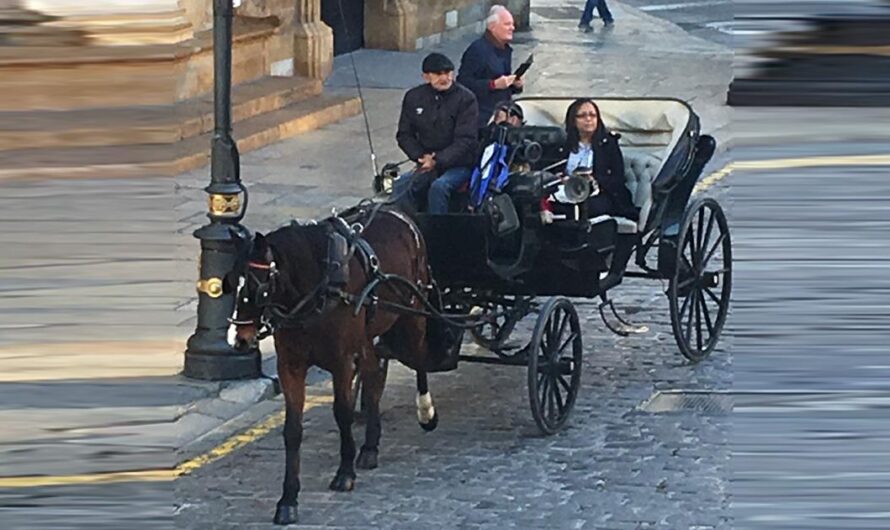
<point>305,278</point>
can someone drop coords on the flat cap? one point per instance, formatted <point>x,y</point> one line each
<point>436,62</point>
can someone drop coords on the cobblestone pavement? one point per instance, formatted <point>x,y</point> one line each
<point>486,466</point>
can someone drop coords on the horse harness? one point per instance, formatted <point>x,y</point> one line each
<point>344,240</point>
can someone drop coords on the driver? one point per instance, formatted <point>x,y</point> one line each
<point>437,129</point>
<point>590,145</point>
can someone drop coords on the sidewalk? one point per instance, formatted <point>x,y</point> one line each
<point>90,346</point>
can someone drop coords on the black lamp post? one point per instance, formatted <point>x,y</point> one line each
<point>208,353</point>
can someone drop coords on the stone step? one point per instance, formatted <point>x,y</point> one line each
<point>149,124</point>
<point>40,77</point>
<point>119,161</point>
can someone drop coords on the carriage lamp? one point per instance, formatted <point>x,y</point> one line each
<point>209,355</point>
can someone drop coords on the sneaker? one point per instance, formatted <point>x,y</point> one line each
<point>585,28</point>
<point>609,24</point>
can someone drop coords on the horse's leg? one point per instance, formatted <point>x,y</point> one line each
<point>293,385</point>
<point>414,329</point>
<point>373,379</point>
<point>426,412</point>
<point>344,480</point>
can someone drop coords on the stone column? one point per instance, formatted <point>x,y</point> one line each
<point>391,24</point>
<point>313,41</point>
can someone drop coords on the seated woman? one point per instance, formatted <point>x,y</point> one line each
<point>591,145</point>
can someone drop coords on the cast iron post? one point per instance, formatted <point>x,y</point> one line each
<point>208,354</point>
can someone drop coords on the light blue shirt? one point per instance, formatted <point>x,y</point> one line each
<point>583,158</point>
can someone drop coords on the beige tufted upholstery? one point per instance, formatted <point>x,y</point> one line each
<point>649,131</point>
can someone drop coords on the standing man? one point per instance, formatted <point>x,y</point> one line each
<point>437,129</point>
<point>587,15</point>
<point>486,66</point>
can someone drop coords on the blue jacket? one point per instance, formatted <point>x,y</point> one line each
<point>481,63</point>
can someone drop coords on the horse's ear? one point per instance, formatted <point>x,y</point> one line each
<point>259,241</point>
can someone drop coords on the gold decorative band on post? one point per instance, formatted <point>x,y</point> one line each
<point>212,287</point>
<point>222,205</point>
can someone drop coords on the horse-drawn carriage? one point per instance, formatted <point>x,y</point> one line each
<point>370,284</point>
<point>493,264</point>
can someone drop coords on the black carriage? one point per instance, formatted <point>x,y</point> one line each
<point>492,266</point>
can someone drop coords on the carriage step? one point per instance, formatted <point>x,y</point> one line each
<point>621,327</point>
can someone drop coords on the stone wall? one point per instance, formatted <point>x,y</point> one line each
<point>414,24</point>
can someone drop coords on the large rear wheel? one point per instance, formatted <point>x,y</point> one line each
<point>554,364</point>
<point>700,287</point>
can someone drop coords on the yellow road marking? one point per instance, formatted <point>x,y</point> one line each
<point>790,163</point>
<point>233,443</point>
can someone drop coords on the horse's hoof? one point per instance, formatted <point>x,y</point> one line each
<point>342,482</point>
<point>433,423</point>
<point>286,514</point>
<point>367,459</point>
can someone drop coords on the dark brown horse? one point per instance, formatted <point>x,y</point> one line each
<point>289,279</point>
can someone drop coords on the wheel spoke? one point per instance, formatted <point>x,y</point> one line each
<point>562,327</point>
<point>544,391</point>
<point>686,283</point>
<point>689,244</point>
<point>568,341</point>
<point>688,333</point>
<point>550,330</point>
<point>706,314</point>
<point>715,298</point>
<point>698,337</point>
<point>707,237</point>
<point>565,384</point>
<point>550,403</point>
<point>560,406</point>
<point>711,252</point>
<point>683,308</point>
<point>698,236</point>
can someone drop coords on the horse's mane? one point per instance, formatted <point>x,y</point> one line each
<point>299,249</point>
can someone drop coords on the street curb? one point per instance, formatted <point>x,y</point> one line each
<point>204,416</point>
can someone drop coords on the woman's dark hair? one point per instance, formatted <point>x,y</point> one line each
<point>573,136</point>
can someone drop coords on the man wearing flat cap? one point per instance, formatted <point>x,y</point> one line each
<point>438,130</point>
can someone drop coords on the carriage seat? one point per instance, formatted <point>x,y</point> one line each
<point>640,170</point>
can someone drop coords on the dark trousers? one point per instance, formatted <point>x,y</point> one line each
<point>601,7</point>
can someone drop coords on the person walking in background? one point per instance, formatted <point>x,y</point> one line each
<point>587,15</point>
<point>486,65</point>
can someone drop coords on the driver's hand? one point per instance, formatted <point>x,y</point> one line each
<point>427,162</point>
<point>504,81</point>
<point>518,82</point>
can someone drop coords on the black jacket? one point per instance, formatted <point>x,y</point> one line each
<point>481,63</point>
<point>609,173</point>
<point>439,122</point>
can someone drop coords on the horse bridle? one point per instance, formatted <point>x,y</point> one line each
<point>273,314</point>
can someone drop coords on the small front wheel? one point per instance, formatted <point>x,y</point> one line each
<point>554,364</point>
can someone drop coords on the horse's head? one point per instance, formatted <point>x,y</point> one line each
<point>255,294</point>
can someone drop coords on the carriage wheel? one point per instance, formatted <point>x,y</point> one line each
<point>554,364</point>
<point>702,281</point>
<point>492,334</point>
<point>359,408</point>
